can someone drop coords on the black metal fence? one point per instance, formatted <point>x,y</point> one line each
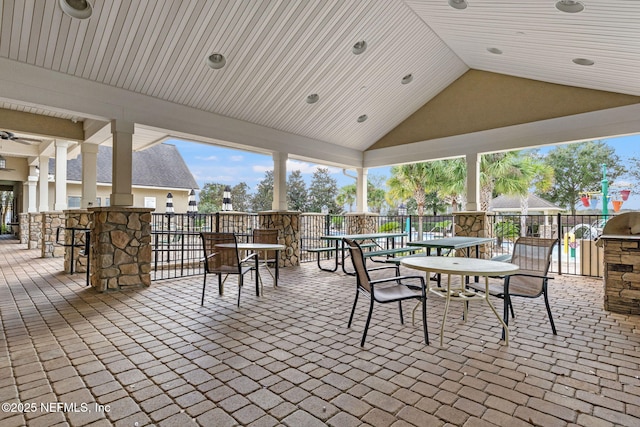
<point>177,249</point>
<point>176,244</point>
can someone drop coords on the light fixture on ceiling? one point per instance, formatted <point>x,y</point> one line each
<point>216,61</point>
<point>407,79</point>
<point>458,4</point>
<point>313,98</point>
<point>494,50</point>
<point>569,6</point>
<point>3,162</point>
<point>79,9</point>
<point>362,118</point>
<point>583,61</point>
<point>359,47</point>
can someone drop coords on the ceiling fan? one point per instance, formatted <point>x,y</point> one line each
<point>10,136</point>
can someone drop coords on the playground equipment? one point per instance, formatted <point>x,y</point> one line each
<point>590,199</point>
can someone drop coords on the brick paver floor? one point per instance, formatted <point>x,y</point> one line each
<point>71,356</point>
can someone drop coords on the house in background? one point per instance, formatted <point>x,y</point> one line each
<point>156,171</point>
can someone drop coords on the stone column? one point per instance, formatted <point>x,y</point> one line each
<point>34,231</point>
<point>24,228</point>
<point>288,225</point>
<point>473,224</point>
<point>50,223</point>
<point>76,218</point>
<point>361,223</point>
<point>120,248</point>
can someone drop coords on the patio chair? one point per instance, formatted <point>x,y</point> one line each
<point>263,235</point>
<point>533,256</point>
<point>395,292</point>
<point>221,256</point>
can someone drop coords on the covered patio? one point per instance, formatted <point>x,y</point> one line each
<point>154,356</point>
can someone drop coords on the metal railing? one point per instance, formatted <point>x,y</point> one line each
<point>177,249</point>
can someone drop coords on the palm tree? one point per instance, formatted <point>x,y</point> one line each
<point>412,181</point>
<point>347,196</point>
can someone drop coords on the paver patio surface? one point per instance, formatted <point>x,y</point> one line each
<point>154,356</point>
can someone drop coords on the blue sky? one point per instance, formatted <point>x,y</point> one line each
<point>226,166</point>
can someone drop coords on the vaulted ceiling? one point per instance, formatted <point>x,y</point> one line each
<point>146,62</point>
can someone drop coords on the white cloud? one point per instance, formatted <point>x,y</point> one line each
<point>236,158</point>
<point>208,158</point>
<point>261,168</point>
<point>308,168</point>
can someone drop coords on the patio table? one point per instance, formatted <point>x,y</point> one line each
<point>339,244</point>
<point>258,247</point>
<point>464,267</point>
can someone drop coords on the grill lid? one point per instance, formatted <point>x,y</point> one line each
<point>621,226</point>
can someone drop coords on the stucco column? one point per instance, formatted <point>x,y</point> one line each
<point>122,163</point>
<point>31,188</point>
<point>89,174</point>
<point>43,184</point>
<point>361,190</point>
<point>61,175</point>
<point>279,181</point>
<point>473,181</point>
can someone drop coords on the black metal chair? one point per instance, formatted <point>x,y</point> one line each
<point>533,256</point>
<point>397,292</point>
<point>221,256</point>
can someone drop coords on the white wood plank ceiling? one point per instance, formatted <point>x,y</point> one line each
<point>280,51</point>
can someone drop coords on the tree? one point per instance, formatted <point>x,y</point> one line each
<point>323,192</point>
<point>578,169</point>
<point>240,197</point>
<point>412,181</point>
<point>347,196</point>
<point>376,193</point>
<point>297,192</point>
<point>211,197</point>
<point>263,198</point>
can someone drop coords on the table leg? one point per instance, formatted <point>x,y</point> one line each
<point>275,280</point>
<point>504,325</point>
<point>257,276</point>
<point>446,308</point>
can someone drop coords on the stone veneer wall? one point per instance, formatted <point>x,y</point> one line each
<point>621,275</point>
<point>76,218</point>
<point>288,225</point>
<point>50,222</point>
<point>474,224</point>
<point>34,230</point>
<point>120,248</point>
<point>24,228</point>
<point>361,223</point>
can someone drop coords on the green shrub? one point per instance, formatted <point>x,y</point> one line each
<point>389,227</point>
<point>506,230</point>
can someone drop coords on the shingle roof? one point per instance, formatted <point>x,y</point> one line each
<point>512,203</point>
<point>157,166</point>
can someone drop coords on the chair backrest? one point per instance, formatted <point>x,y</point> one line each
<point>265,235</point>
<point>533,256</point>
<point>359,264</point>
<point>220,259</point>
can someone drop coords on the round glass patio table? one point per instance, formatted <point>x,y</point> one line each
<point>464,267</point>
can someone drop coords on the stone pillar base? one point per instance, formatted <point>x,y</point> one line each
<point>361,223</point>
<point>288,225</point>
<point>120,248</point>
<point>473,224</point>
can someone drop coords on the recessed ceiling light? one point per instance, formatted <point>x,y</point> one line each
<point>216,61</point>
<point>569,6</point>
<point>79,9</point>
<point>313,98</point>
<point>362,118</point>
<point>458,4</point>
<point>494,50</point>
<point>359,47</point>
<point>407,79</point>
<point>583,61</point>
